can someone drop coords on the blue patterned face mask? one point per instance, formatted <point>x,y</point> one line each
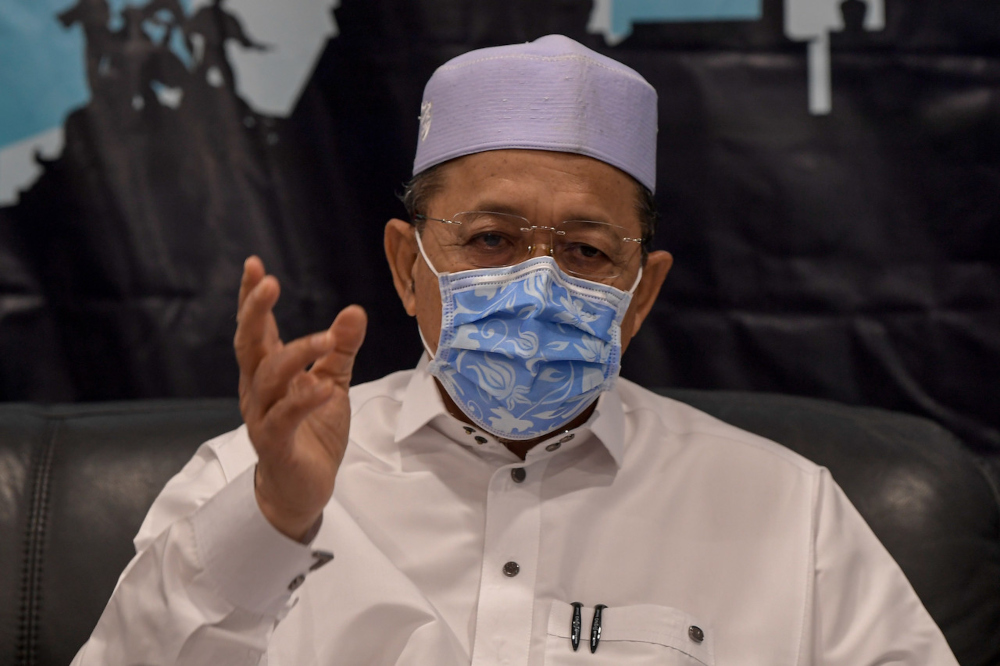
<point>524,349</point>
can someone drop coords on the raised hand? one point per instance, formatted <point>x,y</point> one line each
<point>293,397</point>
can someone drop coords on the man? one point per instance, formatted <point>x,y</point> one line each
<point>506,502</point>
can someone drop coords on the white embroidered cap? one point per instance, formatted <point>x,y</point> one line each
<point>549,94</point>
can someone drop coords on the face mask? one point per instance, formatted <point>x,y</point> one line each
<point>524,349</point>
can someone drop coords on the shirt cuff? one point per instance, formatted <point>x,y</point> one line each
<point>253,565</point>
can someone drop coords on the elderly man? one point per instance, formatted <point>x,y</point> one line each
<point>509,501</point>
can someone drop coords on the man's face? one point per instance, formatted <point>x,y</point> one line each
<point>546,188</point>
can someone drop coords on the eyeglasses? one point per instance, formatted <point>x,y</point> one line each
<point>488,239</point>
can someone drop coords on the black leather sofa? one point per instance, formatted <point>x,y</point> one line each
<point>76,481</point>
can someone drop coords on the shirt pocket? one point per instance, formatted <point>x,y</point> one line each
<point>641,635</point>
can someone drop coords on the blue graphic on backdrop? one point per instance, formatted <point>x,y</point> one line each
<point>59,54</point>
<point>614,18</point>
<point>42,78</point>
<point>811,21</point>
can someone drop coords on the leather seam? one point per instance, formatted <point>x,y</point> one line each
<point>31,582</point>
<point>992,479</point>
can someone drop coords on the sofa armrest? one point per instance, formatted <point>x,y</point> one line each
<point>75,484</point>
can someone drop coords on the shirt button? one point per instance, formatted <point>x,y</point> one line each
<point>481,440</point>
<point>567,438</point>
<point>511,569</point>
<point>553,446</point>
<point>296,582</point>
<point>320,558</point>
<point>696,634</point>
<point>518,474</point>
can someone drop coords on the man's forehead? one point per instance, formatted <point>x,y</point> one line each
<point>520,181</point>
<point>552,166</point>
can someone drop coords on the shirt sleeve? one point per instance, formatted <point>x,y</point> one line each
<point>211,576</point>
<point>865,611</point>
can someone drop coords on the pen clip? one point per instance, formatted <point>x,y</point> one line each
<point>576,627</point>
<point>595,628</point>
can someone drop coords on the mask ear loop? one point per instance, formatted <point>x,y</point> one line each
<point>423,254</point>
<point>635,285</point>
<point>423,341</point>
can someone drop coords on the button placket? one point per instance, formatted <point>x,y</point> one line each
<point>510,552</point>
<point>320,559</point>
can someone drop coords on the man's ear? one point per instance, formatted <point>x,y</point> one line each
<point>401,253</point>
<point>655,271</point>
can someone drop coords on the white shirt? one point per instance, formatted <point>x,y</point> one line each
<point>686,528</point>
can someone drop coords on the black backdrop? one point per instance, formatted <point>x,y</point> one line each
<point>853,256</point>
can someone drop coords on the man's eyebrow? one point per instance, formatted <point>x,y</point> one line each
<point>498,207</point>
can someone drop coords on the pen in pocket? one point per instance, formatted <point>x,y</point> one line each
<point>595,628</point>
<point>576,627</point>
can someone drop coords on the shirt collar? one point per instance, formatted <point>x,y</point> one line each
<point>422,404</point>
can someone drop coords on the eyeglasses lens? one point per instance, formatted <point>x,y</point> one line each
<point>581,247</point>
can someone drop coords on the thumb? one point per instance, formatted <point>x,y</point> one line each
<point>348,333</point>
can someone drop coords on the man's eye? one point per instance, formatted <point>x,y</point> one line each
<point>584,259</point>
<point>584,252</point>
<point>489,240</point>
<point>490,248</point>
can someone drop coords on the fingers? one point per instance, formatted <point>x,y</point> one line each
<point>282,377</point>
<point>331,354</point>
<point>347,333</point>
<point>253,272</point>
<point>256,332</point>
<point>274,376</point>
<point>277,390</point>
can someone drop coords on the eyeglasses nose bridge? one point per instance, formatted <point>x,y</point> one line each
<point>542,227</point>
<point>533,244</point>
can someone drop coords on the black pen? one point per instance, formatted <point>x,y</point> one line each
<point>576,627</point>
<point>595,628</point>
